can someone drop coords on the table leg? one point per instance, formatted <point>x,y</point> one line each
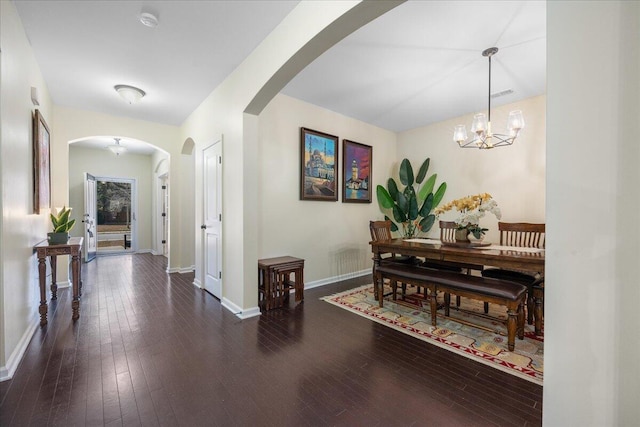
<point>521,321</point>
<point>75,270</point>
<point>433,303</point>
<point>299,273</point>
<point>42,276</point>
<point>378,288</point>
<point>512,326</point>
<point>268,294</point>
<point>80,272</point>
<point>376,264</point>
<point>53,260</point>
<point>538,294</point>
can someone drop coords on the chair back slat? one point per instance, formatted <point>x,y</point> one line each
<point>448,231</point>
<point>380,230</point>
<point>522,234</point>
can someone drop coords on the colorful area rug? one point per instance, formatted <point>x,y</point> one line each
<point>468,331</point>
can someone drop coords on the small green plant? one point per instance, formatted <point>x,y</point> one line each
<point>412,206</point>
<point>61,222</point>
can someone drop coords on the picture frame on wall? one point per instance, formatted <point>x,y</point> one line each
<point>41,164</point>
<point>318,166</point>
<point>356,172</point>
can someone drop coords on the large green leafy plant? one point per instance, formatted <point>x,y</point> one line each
<point>412,205</point>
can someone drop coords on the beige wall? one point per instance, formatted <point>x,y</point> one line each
<point>332,237</point>
<point>592,335</point>
<point>305,33</point>
<point>101,163</point>
<point>72,125</point>
<point>513,175</point>
<point>20,229</point>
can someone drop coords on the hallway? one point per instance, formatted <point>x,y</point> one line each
<point>151,349</point>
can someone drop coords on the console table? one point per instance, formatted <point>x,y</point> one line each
<point>273,281</point>
<point>73,247</point>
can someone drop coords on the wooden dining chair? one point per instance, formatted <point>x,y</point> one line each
<point>448,231</point>
<point>381,230</point>
<point>523,235</point>
<point>448,234</point>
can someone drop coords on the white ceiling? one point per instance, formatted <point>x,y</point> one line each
<point>422,63</point>
<point>418,64</point>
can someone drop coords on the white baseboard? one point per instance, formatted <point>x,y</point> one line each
<point>145,251</point>
<point>242,314</point>
<point>61,285</point>
<point>248,313</point>
<point>329,280</point>
<point>6,372</point>
<point>181,270</point>
<point>197,283</point>
<point>230,305</point>
<point>255,311</point>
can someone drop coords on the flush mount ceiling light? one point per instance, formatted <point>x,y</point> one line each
<point>148,19</point>
<point>130,94</point>
<point>481,136</point>
<point>116,148</point>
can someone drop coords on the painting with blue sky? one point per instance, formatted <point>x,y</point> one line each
<point>319,160</point>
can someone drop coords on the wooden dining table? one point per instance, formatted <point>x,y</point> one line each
<point>513,258</point>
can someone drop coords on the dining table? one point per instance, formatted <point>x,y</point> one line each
<point>480,253</point>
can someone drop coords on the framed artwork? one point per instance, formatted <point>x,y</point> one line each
<point>318,166</point>
<point>356,172</point>
<point>41,164</point>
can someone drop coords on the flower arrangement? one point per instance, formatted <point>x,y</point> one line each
<point>471,209</point>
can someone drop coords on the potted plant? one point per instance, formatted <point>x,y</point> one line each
<point>411,206</point>
<point>471,209</point>
<point>61,226</point>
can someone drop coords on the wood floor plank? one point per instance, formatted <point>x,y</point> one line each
<point>151,349</point>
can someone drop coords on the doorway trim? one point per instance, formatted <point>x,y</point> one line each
<point>162,215</point>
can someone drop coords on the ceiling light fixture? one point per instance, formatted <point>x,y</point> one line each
<point>148,19</point>
<point>130,94</point>
<point>116,148</point>
<point>482,137</point>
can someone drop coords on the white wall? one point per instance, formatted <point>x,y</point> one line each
<point>332,237</point>
<point>20,229</point>
<point>592,336</point>
<point>102,163</point>
<point>513,175</point>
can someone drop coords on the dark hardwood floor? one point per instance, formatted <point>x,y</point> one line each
<point>151,349</point>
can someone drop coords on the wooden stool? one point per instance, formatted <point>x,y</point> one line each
<point>274,281</point>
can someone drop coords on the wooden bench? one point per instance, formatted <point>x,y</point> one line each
<point>509,294</point>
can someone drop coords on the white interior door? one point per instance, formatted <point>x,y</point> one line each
<point>89,219</point>
<point>212,219</point>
